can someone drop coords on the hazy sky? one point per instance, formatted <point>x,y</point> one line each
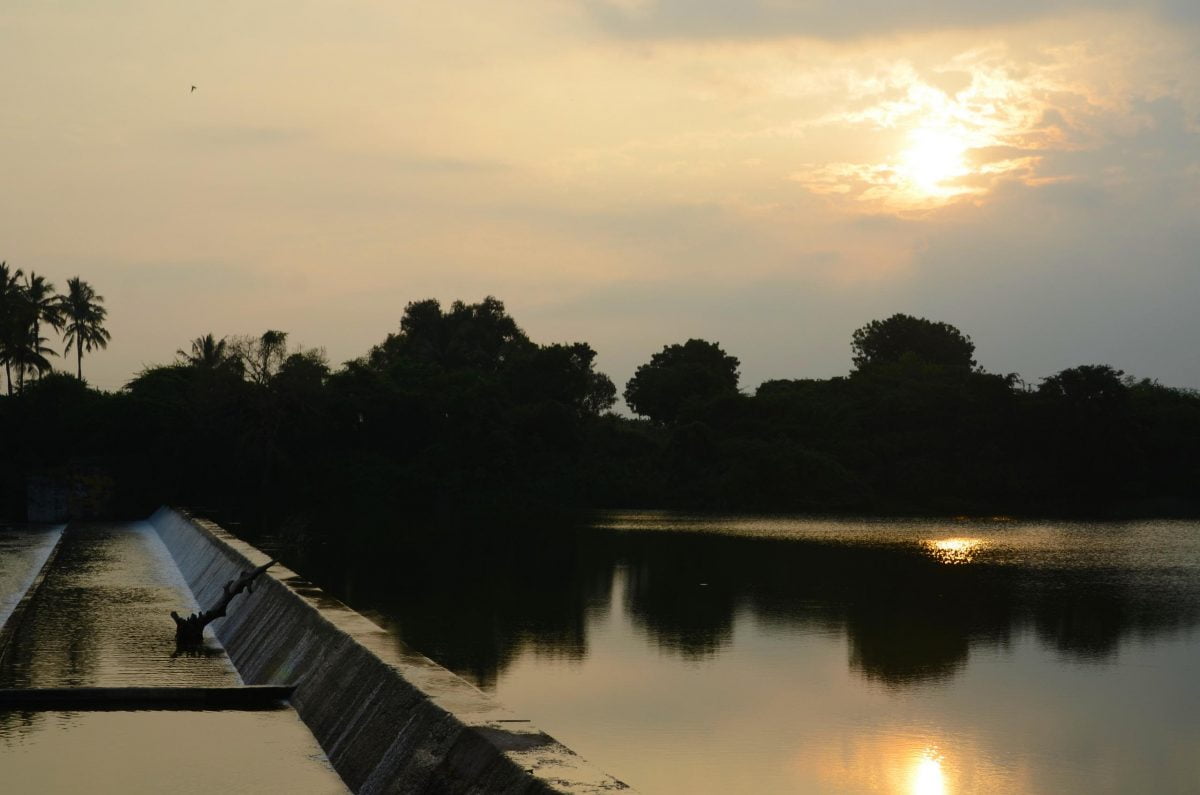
<point>768,174</point>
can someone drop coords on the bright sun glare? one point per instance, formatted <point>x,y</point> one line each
<point>927,777</point>
<point>933,157</point>
<point>942,145</point>
<point>953,550</point>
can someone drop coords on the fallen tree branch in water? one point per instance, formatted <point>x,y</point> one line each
<point>190,631</point>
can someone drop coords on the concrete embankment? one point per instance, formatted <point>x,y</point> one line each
<point>24,553</point>
<point>390,720</point>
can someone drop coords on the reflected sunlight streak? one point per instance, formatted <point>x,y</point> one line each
<point>953,550</point>
<point>927,776</point>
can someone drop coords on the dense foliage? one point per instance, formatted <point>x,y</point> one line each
<point>460,413</point>
<point>888,341</point>
<point>679,377</point>
<point>28,306</point>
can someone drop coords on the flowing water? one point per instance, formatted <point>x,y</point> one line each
<point>100,617</point>
<point>742,654</point>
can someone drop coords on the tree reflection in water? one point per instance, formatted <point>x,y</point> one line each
<point>911,613</point>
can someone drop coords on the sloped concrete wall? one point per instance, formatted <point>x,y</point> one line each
<point>390,720</point>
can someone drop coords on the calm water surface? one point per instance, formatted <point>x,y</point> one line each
<point>101,617</point>
<point>735,654</point>
<point>156,752</point>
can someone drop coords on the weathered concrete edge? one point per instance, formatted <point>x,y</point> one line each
<point>389,719</point>
<point>13,623</point>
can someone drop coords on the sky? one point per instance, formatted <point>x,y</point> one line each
<point>766,174</point>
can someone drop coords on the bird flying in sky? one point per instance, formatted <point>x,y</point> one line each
<point>193,89</point>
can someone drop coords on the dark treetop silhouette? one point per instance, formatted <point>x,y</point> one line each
<point>24,307</point>
<point>83,316</point>
<point>460,413</point>
<point>694,372</point>
<point>888,341</point>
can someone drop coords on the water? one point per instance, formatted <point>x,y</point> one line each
<point>740,654</point>
<point>154,752</point>
<point>101,617</point>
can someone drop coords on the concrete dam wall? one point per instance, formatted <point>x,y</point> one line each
<point>390,720</point>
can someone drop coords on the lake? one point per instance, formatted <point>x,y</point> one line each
<point>696,654</point>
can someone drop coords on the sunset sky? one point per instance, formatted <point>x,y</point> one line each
<point>768,174</point>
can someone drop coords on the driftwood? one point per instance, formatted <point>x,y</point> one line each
<point>190,631</point>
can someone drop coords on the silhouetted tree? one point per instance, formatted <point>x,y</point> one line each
<point>304,370</point>
<point>1089,434</point>
<point>562,373</point>
<point>678,375</point>
<point>38,304</point>
<point>1087,388</point>
<point>932,342</point>
<point>83,316</point>
<point>459,411</point>
<point>28,355</point>
<point>479,336</point>
<point>10,327</point>
<point>262,356</point>
<point>209,353</point>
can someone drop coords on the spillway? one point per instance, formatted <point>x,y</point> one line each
<point>385,718</point>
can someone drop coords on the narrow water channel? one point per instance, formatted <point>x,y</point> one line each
<point>100,618</point>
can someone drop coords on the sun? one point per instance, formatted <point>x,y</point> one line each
<point>934,157</point>
<point>950,134</point>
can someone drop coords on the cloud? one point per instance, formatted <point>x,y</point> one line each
<point>1093,261</point>
<point>836,20</point>
<point>1100,268</point>
<point>629,187</point>
<point>1026,113</point>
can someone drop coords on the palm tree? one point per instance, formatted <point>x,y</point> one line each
<point>209,353</point>
<point>29,356</point>
<point>83,321</point>
<point>39,304</point>
<point>10,292</point>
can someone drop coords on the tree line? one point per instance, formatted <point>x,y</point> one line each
<point>917,426</point>
<point>30,305</point>
<point>459,413</point>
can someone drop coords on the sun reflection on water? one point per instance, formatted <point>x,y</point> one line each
<point>954,550</point>
<point>927,775</point>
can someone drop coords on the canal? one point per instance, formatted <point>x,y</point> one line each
<point>100,618</point>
